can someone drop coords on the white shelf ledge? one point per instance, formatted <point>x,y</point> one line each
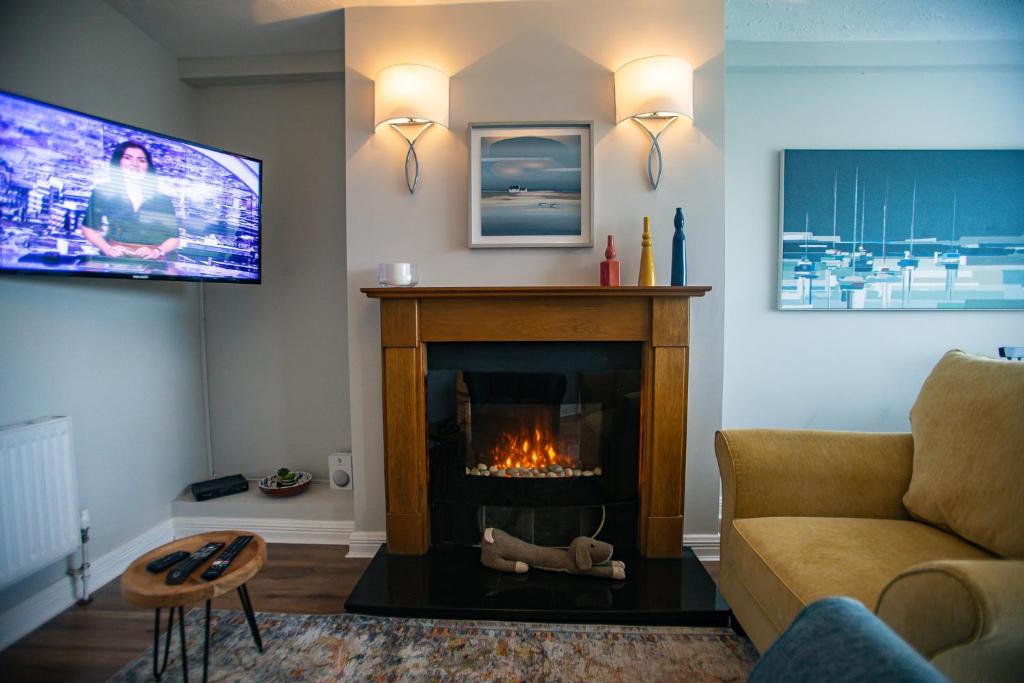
<point>320,515</point>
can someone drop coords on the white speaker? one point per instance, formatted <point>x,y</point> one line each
<point>340,467</point>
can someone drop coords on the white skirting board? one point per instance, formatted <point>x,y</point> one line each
<point>704,546</point>
<point>32,613</point>
<point>318,531</point>
<point>365,543</point>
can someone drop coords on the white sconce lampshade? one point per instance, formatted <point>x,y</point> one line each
<point>656,87</point>
<point>654,92</point>
<point>410,93</point>
<point>410,98</point>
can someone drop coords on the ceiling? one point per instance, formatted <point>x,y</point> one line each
<point>879,20</point>
<point>217,28</point>
<point>214,28</point>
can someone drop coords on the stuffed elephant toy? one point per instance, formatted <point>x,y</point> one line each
<point>506,553</point>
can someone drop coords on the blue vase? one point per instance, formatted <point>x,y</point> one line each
<point>679,252</point>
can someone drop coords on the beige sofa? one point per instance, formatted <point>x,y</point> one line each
<point>916,526</point>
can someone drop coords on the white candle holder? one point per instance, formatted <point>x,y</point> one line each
<point>397,274</point>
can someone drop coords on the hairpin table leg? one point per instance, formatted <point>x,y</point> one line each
<point>243,595</point>
<point>158,672</point>
<point>206,643</point>
<point>184,644</point>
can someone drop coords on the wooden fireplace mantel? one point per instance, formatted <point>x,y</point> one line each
<point>589,291</point>
<point>658,317</point>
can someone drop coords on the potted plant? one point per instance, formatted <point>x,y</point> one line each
<point>285,483</point>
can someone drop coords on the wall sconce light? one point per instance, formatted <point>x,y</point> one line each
<point>410,98</point>
<point>654,92</point>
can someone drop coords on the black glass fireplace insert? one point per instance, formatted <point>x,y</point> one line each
<point>538,439</point>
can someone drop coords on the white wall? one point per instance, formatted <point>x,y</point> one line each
<point>121,358</point>
<point>834,370</point>
<point>533,61</point>
<point>277,353</point>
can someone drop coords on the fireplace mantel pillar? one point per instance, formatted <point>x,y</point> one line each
<point>657,317</point>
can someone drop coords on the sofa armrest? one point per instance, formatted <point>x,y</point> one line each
<point>967,616</point>
<point>791,473</point>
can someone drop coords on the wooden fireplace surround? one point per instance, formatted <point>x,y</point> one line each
<point>659,317</point>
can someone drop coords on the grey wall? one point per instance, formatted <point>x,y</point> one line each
<point>532,61</point>
<point>121,358</point>
<point>858,370</point>
<point>277,353</point>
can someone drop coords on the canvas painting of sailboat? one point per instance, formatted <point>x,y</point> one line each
<point>901,230</point>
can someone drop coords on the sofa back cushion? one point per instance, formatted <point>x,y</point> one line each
<point>968,476</point>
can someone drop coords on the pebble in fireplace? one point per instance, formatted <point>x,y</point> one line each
<point>529,472</point>
<point>526,425</point>
<point>526,433</point>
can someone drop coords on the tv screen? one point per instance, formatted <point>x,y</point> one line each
<point>80,195</point>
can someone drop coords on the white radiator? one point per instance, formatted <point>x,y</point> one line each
<point>38,496</point>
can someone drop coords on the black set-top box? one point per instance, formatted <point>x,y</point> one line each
<point>215,488</point>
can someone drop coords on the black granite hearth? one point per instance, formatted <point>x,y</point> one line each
<point>450,583</point>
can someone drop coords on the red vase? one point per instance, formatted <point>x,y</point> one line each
<point>610,265</point>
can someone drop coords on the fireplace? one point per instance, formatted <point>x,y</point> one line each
<point>573,399</point>
<point>540,439</point>
<point>550,412</point>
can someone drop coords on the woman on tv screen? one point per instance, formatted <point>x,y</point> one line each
<point>128,217</point>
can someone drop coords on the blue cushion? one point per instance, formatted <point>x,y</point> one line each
<point>838,639</point>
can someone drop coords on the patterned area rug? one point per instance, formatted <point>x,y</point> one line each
<point>360,648</point>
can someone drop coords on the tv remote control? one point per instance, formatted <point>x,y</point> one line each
<point>162,563</point>
<point>178,575</point>
<point>224,560</point>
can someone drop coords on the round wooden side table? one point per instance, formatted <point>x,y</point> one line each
<point>143,589</point>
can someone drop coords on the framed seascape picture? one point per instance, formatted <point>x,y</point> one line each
<point>892,230</point>
<point>531,185</point>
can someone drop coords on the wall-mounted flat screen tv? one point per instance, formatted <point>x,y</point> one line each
<point>80,195</point>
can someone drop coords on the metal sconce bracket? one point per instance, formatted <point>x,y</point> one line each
<point>411,132</point>
<point>655,131</point>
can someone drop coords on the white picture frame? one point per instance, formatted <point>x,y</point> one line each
<point>503,209</point>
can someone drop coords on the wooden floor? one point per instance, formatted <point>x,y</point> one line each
<point>92,643</point>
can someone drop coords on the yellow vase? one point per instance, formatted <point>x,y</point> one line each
<point>646,278</point>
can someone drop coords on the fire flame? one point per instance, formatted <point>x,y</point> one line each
<point>528,448</point>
